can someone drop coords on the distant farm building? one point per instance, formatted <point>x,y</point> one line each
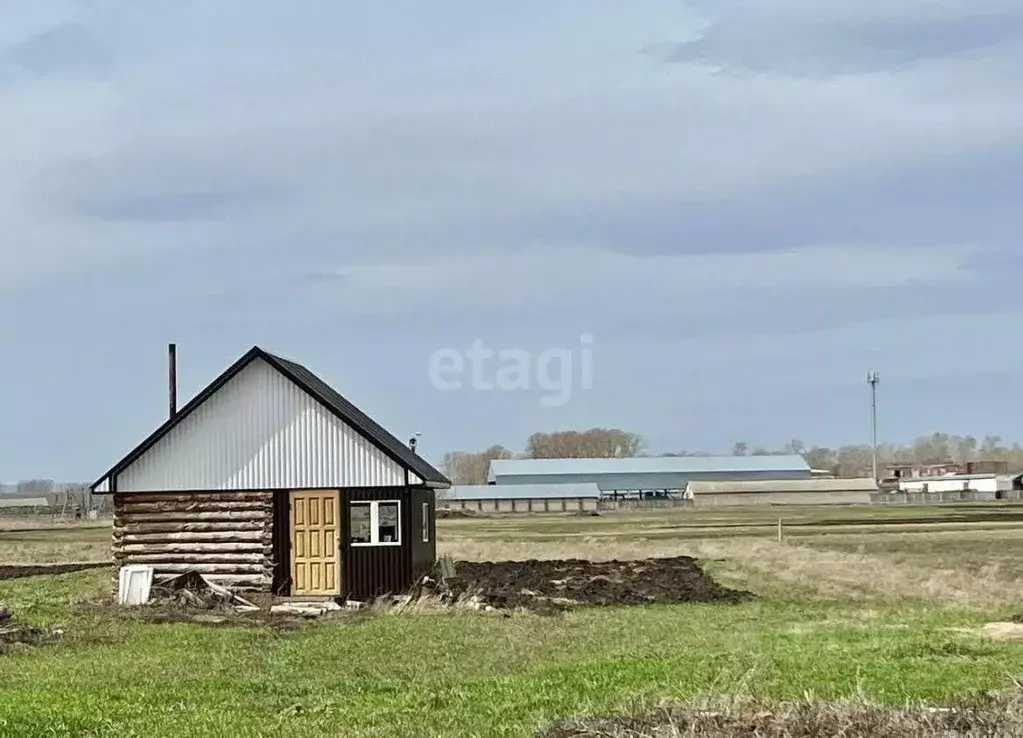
<point>24,505</point>
<point>782,492</point>
<point>647,476</point>
<point>898,472</point>
<point>990,486</point>
<point>521,498</point>
<point>269,480</point>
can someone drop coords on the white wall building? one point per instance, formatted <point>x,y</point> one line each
<point>782,492</point>
<point>988,483</point>
<point>521,498</point>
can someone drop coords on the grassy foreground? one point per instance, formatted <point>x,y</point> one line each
<point>490,675</point>
<point>444,674</point>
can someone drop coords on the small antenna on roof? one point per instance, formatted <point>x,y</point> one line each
<point>414,441</point>
<point>172,376</point>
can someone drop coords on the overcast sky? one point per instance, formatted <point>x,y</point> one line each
<point>747,205</point>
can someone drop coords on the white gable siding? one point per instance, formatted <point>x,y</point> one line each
<point>260,431</point>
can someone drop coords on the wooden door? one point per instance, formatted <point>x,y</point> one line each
<point>315,543</point>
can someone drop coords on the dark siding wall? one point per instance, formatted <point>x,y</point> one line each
<point>282,543</point>
<point>370,571</point>
<point>423,554</point>
<point>367,571</point>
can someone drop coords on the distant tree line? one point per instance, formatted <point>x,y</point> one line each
<point>468,467</point>
<point>59,495</point>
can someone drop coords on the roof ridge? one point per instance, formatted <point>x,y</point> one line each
<point>316,388</point>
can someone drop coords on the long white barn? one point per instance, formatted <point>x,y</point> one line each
<point>633,475</point>
<point>516,498</point>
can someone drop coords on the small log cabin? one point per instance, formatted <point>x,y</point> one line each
<point>270,481</point>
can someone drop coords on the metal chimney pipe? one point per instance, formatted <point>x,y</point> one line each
<point>172,376</point>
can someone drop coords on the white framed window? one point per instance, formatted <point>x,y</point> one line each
<point>426,522</point>
<point>376,523</point>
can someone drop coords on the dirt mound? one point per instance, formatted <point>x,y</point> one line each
<point>543,585</point>
<point>17,571</point>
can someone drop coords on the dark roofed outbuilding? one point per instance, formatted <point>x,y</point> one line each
<point>271,480</point>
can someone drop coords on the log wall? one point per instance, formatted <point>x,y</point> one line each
<point>226,536</point>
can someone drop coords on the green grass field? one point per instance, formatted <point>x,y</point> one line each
<point>882,603</point>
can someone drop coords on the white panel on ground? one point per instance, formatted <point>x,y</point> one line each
<point>260,431</point>
<point>133,584</point>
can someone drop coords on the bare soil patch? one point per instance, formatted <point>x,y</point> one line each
<point>17,571</point>
<point>544,585</point>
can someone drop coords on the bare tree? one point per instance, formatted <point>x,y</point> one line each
<point>821,458</point>
<point>464,467</point>
<point>595,443</point>
<point>795,447</point>
<point>35,488</point>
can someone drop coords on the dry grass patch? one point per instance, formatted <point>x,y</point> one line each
<point>997,631</point>
<point>50,553</point>
<point>60,543</point>
<point>49,522</point>
<point>1000,715</point>
<point>844,575</point>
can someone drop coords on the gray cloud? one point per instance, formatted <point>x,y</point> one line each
<point>1002,264</point>
<point>65,48</point>
<point>847,38</point>
<point>181,206</point>
<point>956,199</point>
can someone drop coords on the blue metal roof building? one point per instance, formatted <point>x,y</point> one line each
<point>647,473</point>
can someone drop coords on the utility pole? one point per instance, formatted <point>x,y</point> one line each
<point>872,380</point>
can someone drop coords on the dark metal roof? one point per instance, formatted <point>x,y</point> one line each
<point>319,390</point>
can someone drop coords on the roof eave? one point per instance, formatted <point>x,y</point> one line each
<point>430,475</point>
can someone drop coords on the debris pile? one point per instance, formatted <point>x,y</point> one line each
<point>191,597</point>
<point>16,636</point>
<point>315,609</point>
<point>193,591</point>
